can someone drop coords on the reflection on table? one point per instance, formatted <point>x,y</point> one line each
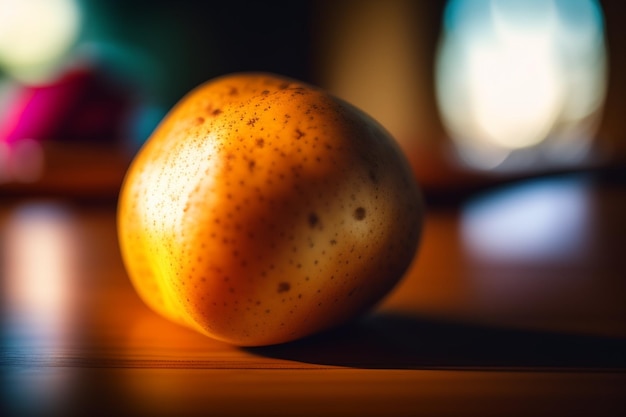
<point>514,306</point>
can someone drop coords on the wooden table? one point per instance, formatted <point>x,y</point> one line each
<point>516,305</point>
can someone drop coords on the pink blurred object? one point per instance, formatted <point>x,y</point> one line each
<point>81,105</point>
<point>63,137</point>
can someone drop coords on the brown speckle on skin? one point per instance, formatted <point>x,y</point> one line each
<point>283,287</point>
<point>213,112</point>
<point>359,213</point>
<point>313,220</point>
<point>299,134</point>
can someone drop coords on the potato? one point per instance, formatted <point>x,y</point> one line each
<point>263,210</point>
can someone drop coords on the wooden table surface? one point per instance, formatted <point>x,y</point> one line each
<point>516,305</point>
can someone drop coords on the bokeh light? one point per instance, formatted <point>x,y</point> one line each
<point>40,270</point>
<point>521,81</point>
<point>528,223</point>
<point>36,34</point>
<point>529,242</point>
<point>39,247</point>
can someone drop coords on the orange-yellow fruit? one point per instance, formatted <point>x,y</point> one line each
<point>263,210</point>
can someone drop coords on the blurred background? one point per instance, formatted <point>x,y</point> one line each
<point>475,91</point>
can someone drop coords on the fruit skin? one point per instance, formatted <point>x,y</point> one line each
<point>263,210</point>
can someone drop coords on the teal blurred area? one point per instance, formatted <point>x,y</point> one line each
<point>83,83</point>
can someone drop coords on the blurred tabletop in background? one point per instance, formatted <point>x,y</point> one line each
<point>514,306</point>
